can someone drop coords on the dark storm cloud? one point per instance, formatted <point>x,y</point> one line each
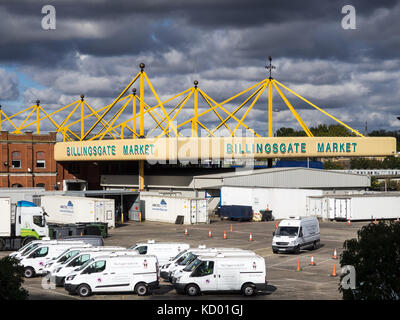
<point>98,45</point>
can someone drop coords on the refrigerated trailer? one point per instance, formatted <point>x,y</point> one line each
<point>20,223</point>
<point>67,210</point>
<point>367,206</point>
<point>166,208</point>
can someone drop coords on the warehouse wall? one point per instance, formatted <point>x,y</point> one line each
<point>283,202</point>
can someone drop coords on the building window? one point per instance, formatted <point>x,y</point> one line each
<point>40,185</point>
<point>40,160</point>
<point>16,159</point>
<point>16,185</point>
<point>40,163</point>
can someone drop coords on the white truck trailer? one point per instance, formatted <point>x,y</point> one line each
<point>367,206</point>
<point>66,209</point>
<point>20,223</point>
<point>166,208</point>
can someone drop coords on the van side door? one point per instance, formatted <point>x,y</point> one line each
<point>205,276</point>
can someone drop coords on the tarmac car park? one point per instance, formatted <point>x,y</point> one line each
<point>284,282</point>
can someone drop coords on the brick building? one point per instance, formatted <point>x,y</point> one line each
<point>27,160</point>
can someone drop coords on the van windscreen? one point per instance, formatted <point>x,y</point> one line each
<point>178,255</point>
<point>287,231</point>
<point>193,265</point>
<point>188,259</point>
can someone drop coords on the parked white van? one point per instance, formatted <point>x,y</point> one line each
<point>35,260</point>
<point>193,254</point>
<point>164,251</point>
<point>34,244</point>
<point>59,273</point>
<point>65,256</point>
<point>219,273</point>
<point>114,273</point>
<point>296,233</point>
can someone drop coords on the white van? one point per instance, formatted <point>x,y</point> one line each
<point>222,273</point>
<point>164,251</point>
<point>35,260</point>
<point>114,273</point>
<point>60,272</point>
<point>34,244</point>
<point>64,256</point>
<point>193,254</point>
<point>296,233</point>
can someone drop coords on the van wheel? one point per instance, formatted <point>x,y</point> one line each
<point>274,251</point>
<point>315,245</point>
<point>142,289</point>
<point>248,290</point>
<point>84,290</point>
<point>29,272</point>
<point>297,250</point>
<point>192,290</point>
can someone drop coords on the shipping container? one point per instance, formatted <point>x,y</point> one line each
<point>66,210</point>
<point>166,208</point>
<point>368,206</point>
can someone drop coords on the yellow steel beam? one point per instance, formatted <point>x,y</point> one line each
<point>160,103</point>
<point>27,118</point>
<point>164,119</point>
<point>319,109</point>
<point>270,124</point>
<point>179,110</point>
<point>110,107</point>
<point>248,110</point>
<point>9,120</point>
<point>103,123</point>
<point>298,118</point>
<point>141,105</point>
<point>231,115</point>
<point>216,112</point>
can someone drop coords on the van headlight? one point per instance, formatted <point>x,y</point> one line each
<point>165,266</point>
<point>69,278</point>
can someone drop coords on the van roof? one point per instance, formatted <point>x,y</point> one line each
<point>296,221</point>
<point>221,257</point>
<point>162,243</point>
<point>124,256</point>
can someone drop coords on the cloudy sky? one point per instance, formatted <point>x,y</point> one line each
<point>96,48</point>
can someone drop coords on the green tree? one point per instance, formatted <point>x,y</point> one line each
<point>330,165</point>
<point>375,255</point>
<point>11,279</point>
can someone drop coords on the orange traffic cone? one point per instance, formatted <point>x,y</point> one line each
<point>225,234</point>
<point>209,234</point>
<point>334,254</point>
<point>186,233</point>
<point>251,237</point>
<point>231,229</point>
<point>276,225</point>
<point>348,222</point>
<point>312,263</point>
<point>298,266</point>
<point>81,234</point>
<point>334,271</point>
<point>375,221</point>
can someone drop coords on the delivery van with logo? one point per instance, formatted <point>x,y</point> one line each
<point>112,273</point>
<point>59,273</point>
<point>164,251</point>
<point>65,256</point>
<point>35,260</point>
<point>246,274</point>
<point>192,255</point>
<point>295,234</point>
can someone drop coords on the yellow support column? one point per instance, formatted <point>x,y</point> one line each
<point>142,65</point>
<point>270,128</point>
<point>195,132</point>
<point>82,116</point>
<point>134,113</point>
<point>37,117</point>
<point>141,175</point>
<point>0,117</point>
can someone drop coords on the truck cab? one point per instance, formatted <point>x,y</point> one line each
<point>295,234</point>
<point>31,220</point>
